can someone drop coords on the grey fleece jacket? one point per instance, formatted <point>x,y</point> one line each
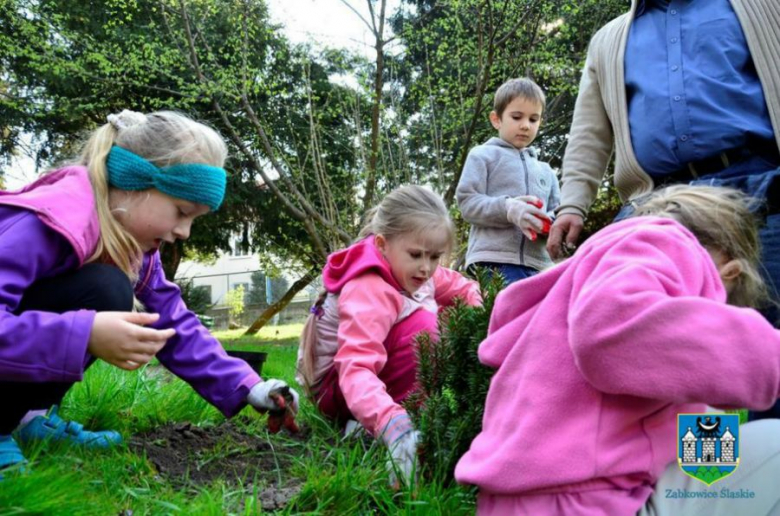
<point>494,172</point>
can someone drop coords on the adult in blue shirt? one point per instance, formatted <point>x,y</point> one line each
<point>682,91</point>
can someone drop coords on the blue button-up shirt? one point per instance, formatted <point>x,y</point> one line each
<point>691,85</point>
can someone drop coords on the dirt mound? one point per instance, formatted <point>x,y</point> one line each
<point>187,454</point>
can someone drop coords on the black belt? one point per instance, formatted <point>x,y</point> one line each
<point>718,162</point>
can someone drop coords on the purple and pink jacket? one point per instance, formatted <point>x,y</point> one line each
<point>49,228</point>
<point>367,303</point>
<point>596,356</point>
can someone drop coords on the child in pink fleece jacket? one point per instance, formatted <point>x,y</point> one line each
<point>598,355</point>
<point>357,357</point>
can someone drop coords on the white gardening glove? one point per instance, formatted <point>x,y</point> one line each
<point>525,212</point>
<point>401,440</point>
<point>264,395</point>
<point>403,464</point>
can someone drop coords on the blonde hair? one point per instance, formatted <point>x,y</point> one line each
<point>513,88</point>
<point>406,210</point>
<point>409,209</point>
<point>164,138</point>
<point>722,220</point>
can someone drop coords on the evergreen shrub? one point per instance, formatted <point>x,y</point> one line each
<point>448,405</point>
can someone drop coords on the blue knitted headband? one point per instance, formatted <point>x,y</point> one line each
<point>194,182</point>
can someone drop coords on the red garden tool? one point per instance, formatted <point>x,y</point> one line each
<point>284,416</point>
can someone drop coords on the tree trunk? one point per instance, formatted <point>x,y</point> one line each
<point>376,107</point>
<point>277,307</point>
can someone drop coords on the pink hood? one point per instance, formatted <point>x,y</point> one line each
<point>347,264</point>
<point>65,202</point>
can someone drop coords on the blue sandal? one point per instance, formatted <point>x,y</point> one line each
<point>52,426</point>
<point>11,457</point>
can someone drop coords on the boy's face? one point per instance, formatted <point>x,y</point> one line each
<point>519,123</point>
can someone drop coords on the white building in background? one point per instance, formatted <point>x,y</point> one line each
<point>228,272</point>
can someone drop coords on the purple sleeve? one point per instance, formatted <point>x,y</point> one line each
<point>37,346</point>
<point>193,354</point>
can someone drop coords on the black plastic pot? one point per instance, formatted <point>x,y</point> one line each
<point>255,359</point>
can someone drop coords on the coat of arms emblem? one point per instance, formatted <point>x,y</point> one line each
<point>708,445</point>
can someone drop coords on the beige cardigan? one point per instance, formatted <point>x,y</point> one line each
<point>601,112</point>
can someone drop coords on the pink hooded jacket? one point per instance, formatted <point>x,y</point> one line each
<point>596,357</point>
<point>369,303</point>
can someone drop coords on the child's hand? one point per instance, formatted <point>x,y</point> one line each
<point>120,338</point>
<point>525,213</point>
<point>401,440</point>
<point>403,459</point>
<point>564,235</point>
<point>281,402</point>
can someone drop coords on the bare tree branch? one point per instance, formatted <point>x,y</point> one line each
<point>357,13</point>
<point>283,302</point>
<point>307,212</point>
<point>376,107</point>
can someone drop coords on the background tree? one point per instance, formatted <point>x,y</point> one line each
<point>301,174</point>
<point>196,297</point>
<point>459,52</point>
<point>292,167</point>
<point>235,301</point>
<point>258,292</point>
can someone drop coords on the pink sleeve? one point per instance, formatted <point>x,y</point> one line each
<point>368,309</point>
<point>639,325</point>
<point>451,284</point>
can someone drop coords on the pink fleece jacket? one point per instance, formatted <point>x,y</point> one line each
<point>597,356</point>
<point>369,303</point>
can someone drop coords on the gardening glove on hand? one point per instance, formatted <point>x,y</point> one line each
<point>526,213</point>
<point>401,439</point>
<point>281,402</point>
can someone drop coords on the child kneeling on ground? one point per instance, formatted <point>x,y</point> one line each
<point>357,356</point>
<point>78,245</point>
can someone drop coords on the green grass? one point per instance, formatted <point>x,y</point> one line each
<point>338,477</point>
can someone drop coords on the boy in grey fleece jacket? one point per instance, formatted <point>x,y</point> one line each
<point>505,193</point>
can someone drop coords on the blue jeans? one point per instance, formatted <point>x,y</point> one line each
<point>510,272</point>
<point>761,180</point>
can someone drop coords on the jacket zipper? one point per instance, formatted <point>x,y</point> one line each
<point>522,236</point>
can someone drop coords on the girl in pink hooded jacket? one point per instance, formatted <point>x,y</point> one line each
<point>357,357</point>
<point>597,356</point>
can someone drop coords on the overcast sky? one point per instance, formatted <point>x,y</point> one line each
<point>328,22</point>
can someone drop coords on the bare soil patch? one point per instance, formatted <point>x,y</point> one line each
<point>186,454</point>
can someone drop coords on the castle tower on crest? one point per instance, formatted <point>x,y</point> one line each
<point>689,446</point>
<point>727,446</point>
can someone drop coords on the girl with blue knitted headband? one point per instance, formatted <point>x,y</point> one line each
<point>78,246</point>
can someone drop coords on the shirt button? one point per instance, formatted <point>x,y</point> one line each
<point>674,40</point>
<point>675,68</point>
<point>673,12</point>
<point>684,137</point>
<point>677,98</point>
